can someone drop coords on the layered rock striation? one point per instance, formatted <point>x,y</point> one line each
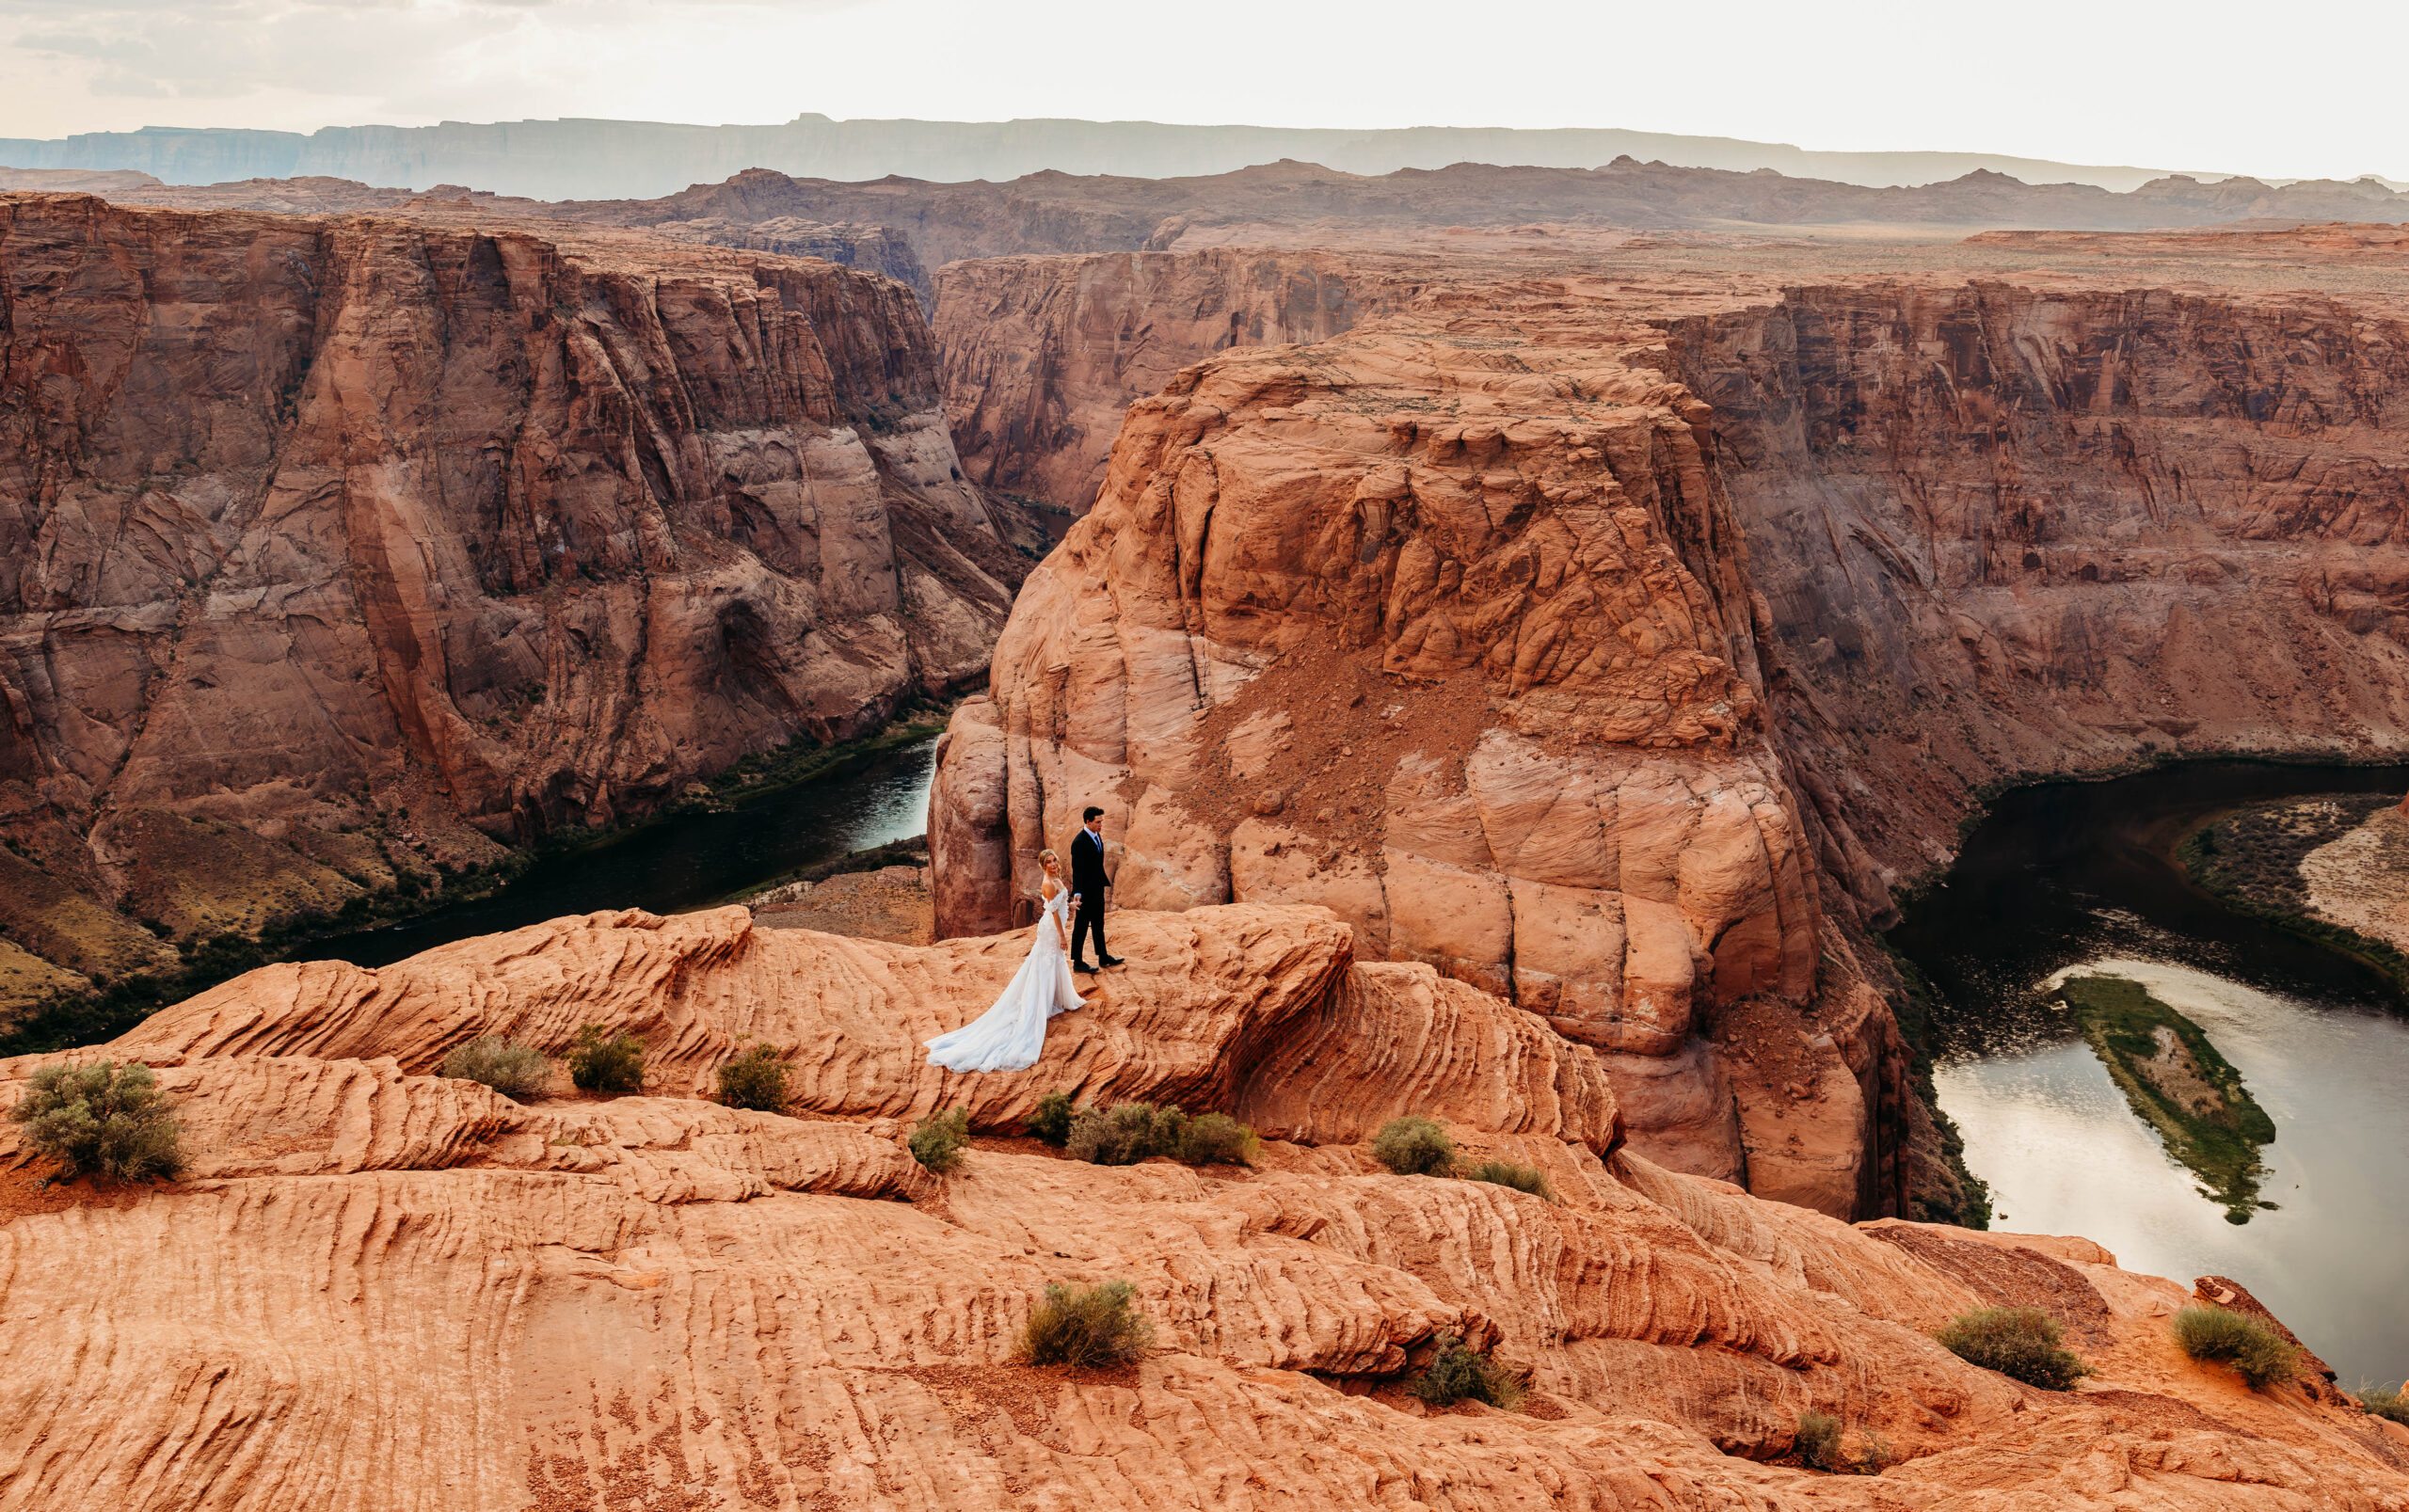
<point>1449,628</point>
<point>656,1300</point>
<point>334,549</point>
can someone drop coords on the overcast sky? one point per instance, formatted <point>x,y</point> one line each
<point>2279,90</point>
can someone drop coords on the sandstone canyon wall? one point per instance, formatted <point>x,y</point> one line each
<point>333,549</point>
<point>1449,630</point>
<point>1041,355</point>
<point>378,1288</point>
<point>1938,533</point>
<point>2010,532</point>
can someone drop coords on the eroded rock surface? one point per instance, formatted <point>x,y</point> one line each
<point>333,549</point>
<point>655,1300</point>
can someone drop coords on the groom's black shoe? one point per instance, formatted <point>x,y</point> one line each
<point>1109,961</point>
<point>1081,965</point>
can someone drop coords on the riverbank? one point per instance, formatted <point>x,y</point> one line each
<point>2329,868</point>
<point>626,865</point>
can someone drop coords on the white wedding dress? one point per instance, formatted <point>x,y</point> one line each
<point>1010,1035</point>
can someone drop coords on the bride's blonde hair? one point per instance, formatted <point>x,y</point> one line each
<point>1047,858</point>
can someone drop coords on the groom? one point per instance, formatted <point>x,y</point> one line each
<point>1088,883</point>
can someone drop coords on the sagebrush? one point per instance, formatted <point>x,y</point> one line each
<point>512,1069</point>
<point>102,1119</point>
<point>1125,1134</point>
<point>1522,1177</point>
<point>1051,1122</point>
<point>1414,1146</point>
<point>937,1141</point>
<point>608,1063</point>
<point>2216,1336</point>
<point>2384,1402</point>
<point>1458,1373</point>
<point>1089,1327</point>
<point>2023,1343</point>
<point>1817,1441</point>
<point>1216,1139</point>
<point>755,1079</point>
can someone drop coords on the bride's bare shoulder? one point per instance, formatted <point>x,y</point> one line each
<point>1047,887</point>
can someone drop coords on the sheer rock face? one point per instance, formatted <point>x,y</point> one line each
<point>1447,629</point>
<point>1042,355</point>
<point>2010,529</point>
<point>332,547</point>
<point>656,1299</point>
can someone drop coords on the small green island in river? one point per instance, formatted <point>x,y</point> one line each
<point>2179,1084</point>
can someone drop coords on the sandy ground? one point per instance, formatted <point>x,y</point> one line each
<point>2361,881</point>
<point>891,903</point>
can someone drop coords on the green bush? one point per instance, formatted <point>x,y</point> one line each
<point>102,1120</point>
<point>512,1069</point>
<point>2215,1335</point>
<point>755,1079</point>
<point>937,1141</point>
<point>1817,1441</point>
<point>1086,1326</point>
<point>2384,1402</point>
<point>1051,1122</point>
<point>1216,1139</point>
<point>611,1063</point>
<point>1522,1177</point>
<point>1414,1146</point>
<point>1458,1373</point>
<point>1125,1134</point>
<point>2019,1342</point>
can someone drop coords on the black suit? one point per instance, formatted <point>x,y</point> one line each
<point>1089,882</point>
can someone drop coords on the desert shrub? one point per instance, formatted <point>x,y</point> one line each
<point>1414,1146</point>
<point>937,1141</point>
<point>1216,1139</point>
<point>1125,1134</point>
<point>100,1120</point>
<point>1817,1441</point>
<point>1522,1177</point>
<point>1085,1326</point>
<point>1051,1122</point>
<point>2384,1402</point>
<point>599,1063</point>
<point>512,1069</point>
<point>2019,1342</point>
<point>2216,1336</point>
<point>755,1079</point>
<point>1458,1373</point>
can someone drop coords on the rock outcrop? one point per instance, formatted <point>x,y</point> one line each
<point>339,550</point>
<point>1448,630</point>
<point>655,1300</point>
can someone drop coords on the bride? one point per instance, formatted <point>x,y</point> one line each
<point>1010,1035</point>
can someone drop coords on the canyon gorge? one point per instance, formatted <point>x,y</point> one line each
<point>1527,629</point>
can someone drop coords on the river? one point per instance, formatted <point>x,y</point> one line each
<point>682,862</point>
<point>2078,877</point>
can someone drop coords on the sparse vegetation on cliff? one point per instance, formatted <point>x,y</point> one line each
<point>2219,1336</point>
<point>937,1141</point>
<point>102,1119</point>
<point>1216,1139</point>
<point>1124,1134</point>
<point>2250,860</point>
<point>2023,1343</point>
<point>1088,1326</point>
<point>514,1070</point>
<point>1506,1173</point>
<point>1458,1373</point>
<point>612,1064</point>
<point>755,1079</point>
<point>1051,1122</point>
<point>2177,1083</point>
<point>1414,1146</point>
<point>2386,1402</point>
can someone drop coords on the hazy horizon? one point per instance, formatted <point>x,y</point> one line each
<point>2102,84</point>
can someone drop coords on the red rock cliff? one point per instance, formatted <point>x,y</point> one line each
<point>332,545</point>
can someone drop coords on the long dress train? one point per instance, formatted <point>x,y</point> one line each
<point>1010,1035</point>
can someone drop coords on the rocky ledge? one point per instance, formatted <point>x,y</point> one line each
<point>658,1301</point>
